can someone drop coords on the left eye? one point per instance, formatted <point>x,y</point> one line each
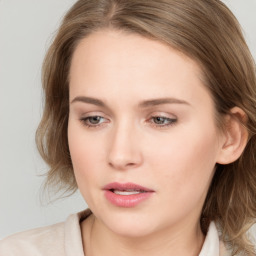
<point>163,121</point>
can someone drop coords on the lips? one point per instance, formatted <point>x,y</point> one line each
<point>126,194</point>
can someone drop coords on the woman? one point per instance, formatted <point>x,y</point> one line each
<point>150,112</point>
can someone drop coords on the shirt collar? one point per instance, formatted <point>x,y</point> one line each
<point>211,246</point>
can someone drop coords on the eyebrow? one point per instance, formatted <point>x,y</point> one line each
<point>143,104</point>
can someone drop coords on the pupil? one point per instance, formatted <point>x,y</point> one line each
<point>94,119</point>
<point>159,120</point>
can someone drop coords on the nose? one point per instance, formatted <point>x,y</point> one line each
<point>124,151</point>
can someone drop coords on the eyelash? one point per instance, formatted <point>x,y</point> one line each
<point>172,121</point>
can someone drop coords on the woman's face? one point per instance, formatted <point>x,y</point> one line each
<point>142,133</point>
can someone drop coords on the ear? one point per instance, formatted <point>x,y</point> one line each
<point>235,136</point>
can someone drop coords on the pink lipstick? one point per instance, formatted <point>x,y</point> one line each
<point>126,194</point>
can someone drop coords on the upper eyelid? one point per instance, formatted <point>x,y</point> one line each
<point>92,113</point>
<point>147,108</point>
<point>150,116</point>
<point>148,113</point>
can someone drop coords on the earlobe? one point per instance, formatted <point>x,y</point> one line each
<point>235,136</point>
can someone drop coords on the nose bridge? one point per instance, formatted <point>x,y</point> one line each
<point>124,150</point>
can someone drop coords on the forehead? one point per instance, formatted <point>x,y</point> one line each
<point>112,63</point>
<point>128,50</point>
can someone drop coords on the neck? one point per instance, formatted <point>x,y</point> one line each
<point>98,240</point>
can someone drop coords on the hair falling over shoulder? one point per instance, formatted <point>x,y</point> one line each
<point>207,32</point>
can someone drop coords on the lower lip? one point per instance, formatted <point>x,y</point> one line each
<point>126,200</point>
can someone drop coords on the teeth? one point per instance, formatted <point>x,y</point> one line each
<point>127,192</point>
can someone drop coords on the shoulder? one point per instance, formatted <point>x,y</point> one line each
<point>40,241</point>
<point>59,239</point>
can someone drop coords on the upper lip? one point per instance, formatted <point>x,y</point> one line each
<point>126,186</point>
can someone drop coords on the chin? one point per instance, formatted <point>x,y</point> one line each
<point>132,230</point>
<point>129,223</point>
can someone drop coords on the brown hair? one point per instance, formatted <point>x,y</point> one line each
<point>204,30</point>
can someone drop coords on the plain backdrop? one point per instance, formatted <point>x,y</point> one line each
<point>26,30</point>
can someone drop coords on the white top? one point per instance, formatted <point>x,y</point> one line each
<point>64,239</point>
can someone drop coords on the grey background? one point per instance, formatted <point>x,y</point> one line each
<point>26,30</point>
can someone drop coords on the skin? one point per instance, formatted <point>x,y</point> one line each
<point>127,144</point>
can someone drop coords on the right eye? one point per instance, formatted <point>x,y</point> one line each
<point>92,121</point>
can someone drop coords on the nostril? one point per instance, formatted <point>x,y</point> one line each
<point>122,165</point>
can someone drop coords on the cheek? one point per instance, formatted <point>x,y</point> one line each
<point>185,161</point>
<point>85,154</point>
